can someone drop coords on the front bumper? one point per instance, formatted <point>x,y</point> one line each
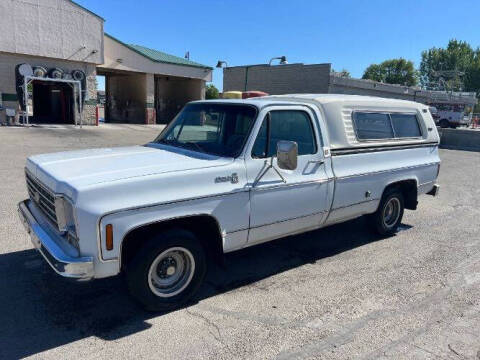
<point>79,268</point>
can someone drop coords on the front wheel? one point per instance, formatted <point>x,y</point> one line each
<point>387,218</point>
<point>167,271</point>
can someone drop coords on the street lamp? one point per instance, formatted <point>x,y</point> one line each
<point>221,64</point>
<point>283,60</point>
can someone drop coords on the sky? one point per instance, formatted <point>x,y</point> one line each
<point>350,34</point>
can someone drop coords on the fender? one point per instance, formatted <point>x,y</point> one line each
<point>231,223</point>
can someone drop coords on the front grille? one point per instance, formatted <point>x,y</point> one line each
<point>43,197</point>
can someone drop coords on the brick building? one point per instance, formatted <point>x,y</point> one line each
<point>280,79</point>
<point>319,78</point>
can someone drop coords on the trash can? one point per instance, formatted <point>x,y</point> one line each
<point>10,116</point>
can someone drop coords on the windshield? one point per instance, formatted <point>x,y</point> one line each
<point>219,129</point>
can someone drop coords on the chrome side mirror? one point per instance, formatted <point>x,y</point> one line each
<point>287,154</point>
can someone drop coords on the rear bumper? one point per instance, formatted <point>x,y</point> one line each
<point>435,190</point>
<point>78,268</point>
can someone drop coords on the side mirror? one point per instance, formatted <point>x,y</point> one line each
<point>287,154</point>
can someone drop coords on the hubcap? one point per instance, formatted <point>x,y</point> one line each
<point>391,212</point>
<point>171,272</point>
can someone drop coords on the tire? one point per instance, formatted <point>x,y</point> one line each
<point>387,218</point>
<point>444,124</point>
<point>167,270</point>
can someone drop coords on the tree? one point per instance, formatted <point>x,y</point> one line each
<point>394,71</point>
<point>211,92</point>
<point>374,72</point>
<point>344,73</point>
<point>456,67</point>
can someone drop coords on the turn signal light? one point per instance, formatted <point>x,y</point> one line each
<point>109,237</point>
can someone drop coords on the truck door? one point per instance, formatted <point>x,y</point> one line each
<point>285,201</point>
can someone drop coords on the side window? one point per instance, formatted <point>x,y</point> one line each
<point>259,149</point>
<point>405,125</point>
<point>371,126</point>
<point>291,125</point>
<point>383,126</point>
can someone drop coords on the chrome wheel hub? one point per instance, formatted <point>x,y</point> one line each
<point>171,272</point>
<point>391,212</point>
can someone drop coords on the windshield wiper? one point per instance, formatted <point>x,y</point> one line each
<point>167,141</point>
<point>189,143</point>
<point>186,145</point>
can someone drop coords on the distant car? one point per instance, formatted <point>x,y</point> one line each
<point>225,175</point>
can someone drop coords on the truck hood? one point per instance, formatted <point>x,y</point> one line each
<point>87,167</point>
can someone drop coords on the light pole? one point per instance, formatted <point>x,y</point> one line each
<point>283,60</point>
<point>221,64</point>
<point>415,94</point>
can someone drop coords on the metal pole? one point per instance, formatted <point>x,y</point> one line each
<point>81,102</point>
<point>25,98</point>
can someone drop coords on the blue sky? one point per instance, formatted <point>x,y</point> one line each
<point>349,34</point>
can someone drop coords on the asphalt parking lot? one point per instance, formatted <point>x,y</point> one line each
<point>335,293</point>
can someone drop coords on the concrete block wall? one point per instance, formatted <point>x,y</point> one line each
<point>278,79</point>
<point>7,80</point>
<point>342,85</point>
<point>460,139</point>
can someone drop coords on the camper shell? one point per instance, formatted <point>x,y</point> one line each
<point>338,112</point>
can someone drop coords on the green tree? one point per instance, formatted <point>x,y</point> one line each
<point>456,67</point>
<point>394,71</point>
<point>344,73</point>
<point>211,92</point>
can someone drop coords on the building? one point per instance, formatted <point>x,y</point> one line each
<point>57,47</point>
<point>144,85</point>
<point>279,79</point>
<point>319,78</point>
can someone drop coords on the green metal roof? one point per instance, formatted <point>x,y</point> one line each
<point>159,56</point>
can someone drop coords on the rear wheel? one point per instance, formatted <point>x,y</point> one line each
<point>387,218</point>
<point>167,271</point>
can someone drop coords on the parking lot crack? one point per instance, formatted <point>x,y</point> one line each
<point>214,330</point>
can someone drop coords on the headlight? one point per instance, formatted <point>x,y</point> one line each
<point>65,215</point>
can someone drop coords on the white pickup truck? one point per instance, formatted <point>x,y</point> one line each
<point>222,176</point>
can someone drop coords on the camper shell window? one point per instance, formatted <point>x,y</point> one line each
<point>385,125</point>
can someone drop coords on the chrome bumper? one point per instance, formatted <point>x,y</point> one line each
<point>79,268</point>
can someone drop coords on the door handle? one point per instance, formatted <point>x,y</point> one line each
<point>319,162</point>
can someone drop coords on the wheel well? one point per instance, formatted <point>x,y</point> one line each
<point>205,227</point>
<point>409,192</point>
